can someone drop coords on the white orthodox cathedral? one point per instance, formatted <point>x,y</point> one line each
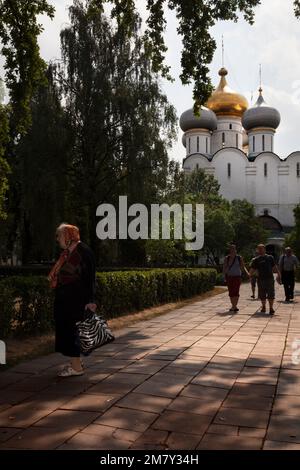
<point>235,144</point>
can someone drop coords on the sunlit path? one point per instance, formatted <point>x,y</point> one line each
<point>195,378</point>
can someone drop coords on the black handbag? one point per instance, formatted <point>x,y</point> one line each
<point>93,332</point>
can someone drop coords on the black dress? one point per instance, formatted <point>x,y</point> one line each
<point>75,289</point>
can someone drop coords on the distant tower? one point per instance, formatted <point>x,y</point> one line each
<point>261,122</point>
<point>229,107</point>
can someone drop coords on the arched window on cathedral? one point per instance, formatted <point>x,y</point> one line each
<point>298,170</point>
<point>229,170</point>
<point>198,144</point>
<point>206,144</point>
<point>272,144</point>
<point>230,127</point>
<point>189,145</point>
<point>254,143</point>
<point>223,138</point>
<point>266,169</point>
<point>197,166</point>
<point>263,143</point>
<point>237,141</point>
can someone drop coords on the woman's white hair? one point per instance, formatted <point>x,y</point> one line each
<point>62,226</point>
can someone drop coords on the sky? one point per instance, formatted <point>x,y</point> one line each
<point>272,41</point>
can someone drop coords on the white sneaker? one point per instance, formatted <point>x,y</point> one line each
<point>69,372</point>
<point>68,364</point>
<point>65,366</point>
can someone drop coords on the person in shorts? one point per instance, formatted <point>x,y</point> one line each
<point>264,265</point>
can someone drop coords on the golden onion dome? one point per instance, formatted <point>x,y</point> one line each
<point>226,102</point>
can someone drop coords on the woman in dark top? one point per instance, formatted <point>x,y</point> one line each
<point>73,278</point>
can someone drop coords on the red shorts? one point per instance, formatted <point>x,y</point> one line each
<point>234,284</point>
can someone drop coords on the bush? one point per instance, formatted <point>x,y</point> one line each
<point>138,290</point>
<point>26,303</point>
<point>29,270</point>
<point>220,281</point>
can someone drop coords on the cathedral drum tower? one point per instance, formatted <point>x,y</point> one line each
<point>235,144</point>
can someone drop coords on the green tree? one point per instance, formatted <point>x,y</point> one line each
<point>293,238</point>
<point>195,20</point>
<point>4,167</point>
<point>165,252</point>
<point>39,178</point>
<point>198,187</point>
<point>201,188</point>
<point>169,252</point>
<point>24,73</point>
<point>224,222</point>
<point>42,174</point>
<point>122,124</point>
<point>19,29</point>
<point>4,137</point>
<point>218,233</point>
<point>173,191</point>
<point>248,230</point>
<point>24,67</point>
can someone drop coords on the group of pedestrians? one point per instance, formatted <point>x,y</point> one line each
<point>261,273</point>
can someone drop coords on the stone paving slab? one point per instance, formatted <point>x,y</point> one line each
<point>197,377</point>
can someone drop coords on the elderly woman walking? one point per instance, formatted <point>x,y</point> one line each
<point>73,278</point>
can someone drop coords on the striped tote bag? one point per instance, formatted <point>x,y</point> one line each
<point>93,332</point>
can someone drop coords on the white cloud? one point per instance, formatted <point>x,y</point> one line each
<point>50,39</point>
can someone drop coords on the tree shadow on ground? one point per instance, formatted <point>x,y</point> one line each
<point>157,397</point>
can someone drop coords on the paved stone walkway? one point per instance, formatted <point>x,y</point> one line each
<point>194,378</point>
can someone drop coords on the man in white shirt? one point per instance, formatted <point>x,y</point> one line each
<point>287,265</point>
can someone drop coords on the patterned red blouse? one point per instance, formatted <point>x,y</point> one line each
<point>79,269</point>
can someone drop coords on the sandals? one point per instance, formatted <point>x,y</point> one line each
<point>68,371</point>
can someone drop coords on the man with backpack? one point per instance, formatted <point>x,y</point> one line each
<point>232,270</point>
<point>264,266</point>
<point>287,265</point>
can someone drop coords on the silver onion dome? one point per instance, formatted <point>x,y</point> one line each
<point>206,120</point>
<point>261,115</point>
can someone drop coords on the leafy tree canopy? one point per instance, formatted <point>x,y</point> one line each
<point>293,238</point>
<point>24,67</point>
<point>195,19</point>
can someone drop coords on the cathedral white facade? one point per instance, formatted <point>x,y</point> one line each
<point>236,144</point>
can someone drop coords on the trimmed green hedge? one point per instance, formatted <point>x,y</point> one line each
<point>26,303</point>
<point>121,293</point>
